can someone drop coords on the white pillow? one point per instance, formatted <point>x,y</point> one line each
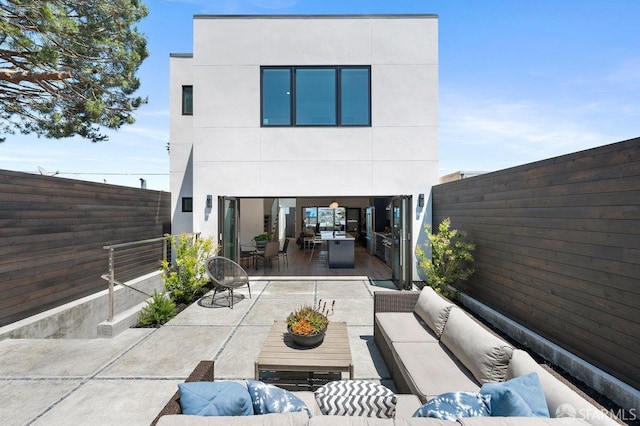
<point>356,398</point>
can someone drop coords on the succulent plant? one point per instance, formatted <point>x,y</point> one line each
<point>308,320</point>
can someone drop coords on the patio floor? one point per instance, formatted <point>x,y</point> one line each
<point>128,379</point>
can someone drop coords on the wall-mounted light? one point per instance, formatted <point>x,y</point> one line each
<point>209,201</point>
<point>333,205</point>
<point>421,200</point>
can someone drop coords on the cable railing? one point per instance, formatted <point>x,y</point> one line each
<point>131,260</point>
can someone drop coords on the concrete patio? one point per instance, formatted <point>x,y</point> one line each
<point>128,379</point>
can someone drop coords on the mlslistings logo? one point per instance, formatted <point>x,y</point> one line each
<point>566,410</point>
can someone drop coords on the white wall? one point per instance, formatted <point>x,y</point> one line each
<point>181,144</point>
<point>234,156</point>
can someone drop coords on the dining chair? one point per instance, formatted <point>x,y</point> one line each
<point>283,253</point>
<point>271,252</point>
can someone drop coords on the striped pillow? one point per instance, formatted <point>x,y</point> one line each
<point>356,398</point>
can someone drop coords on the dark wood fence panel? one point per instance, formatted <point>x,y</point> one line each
<point>52,234</point>
<point>558,249</point>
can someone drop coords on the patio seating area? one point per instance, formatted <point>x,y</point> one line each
<point>129,378</point>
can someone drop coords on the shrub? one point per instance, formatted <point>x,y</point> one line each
<point>184,278</point>
<point>451,259</point>
<point>159,310</point>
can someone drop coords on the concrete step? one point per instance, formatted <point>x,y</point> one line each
<point>121,321</point>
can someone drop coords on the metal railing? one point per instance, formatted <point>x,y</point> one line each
<point>132,260</point>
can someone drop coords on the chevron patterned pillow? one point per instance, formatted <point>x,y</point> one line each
<point>356,398</point>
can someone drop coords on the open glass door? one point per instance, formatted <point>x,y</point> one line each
<point>229,234</point>
<point>402,268</point>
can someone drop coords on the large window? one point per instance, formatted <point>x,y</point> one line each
<point>316,96</point>
<point>187,100</point>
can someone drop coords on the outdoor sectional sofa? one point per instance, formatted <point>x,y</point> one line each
<point>431,347</point>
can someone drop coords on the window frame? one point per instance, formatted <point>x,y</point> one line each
<point>187,204</point>
<point>293,122</point>
<point>184,103</point>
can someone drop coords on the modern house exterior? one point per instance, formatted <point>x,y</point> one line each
<point>273,115</point>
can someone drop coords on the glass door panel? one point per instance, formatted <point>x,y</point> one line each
<point>228,228</point>
<point>402,267</point>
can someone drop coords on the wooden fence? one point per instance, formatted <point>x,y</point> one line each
<point>52,233</point>
<point>558,249</point>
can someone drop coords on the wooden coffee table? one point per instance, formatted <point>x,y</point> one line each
<point>279,353</point>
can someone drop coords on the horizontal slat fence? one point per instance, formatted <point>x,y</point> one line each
<point>52,233</point>
<point>558,249</point>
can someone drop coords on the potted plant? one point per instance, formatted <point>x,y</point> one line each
<point>308,324</point>
<point>261,240</point>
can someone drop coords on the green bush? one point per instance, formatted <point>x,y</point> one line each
<point>184,278</point>
<point>159,310</point>
<point>451,259</point>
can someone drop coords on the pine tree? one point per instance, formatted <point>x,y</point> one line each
<point>67,67</point>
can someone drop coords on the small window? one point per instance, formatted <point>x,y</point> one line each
<point>187,204</point>
<point>187,100</point>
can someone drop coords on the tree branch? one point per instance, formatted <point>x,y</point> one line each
<point>15,76</point>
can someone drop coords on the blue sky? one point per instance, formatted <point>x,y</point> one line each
<point>520,81</point>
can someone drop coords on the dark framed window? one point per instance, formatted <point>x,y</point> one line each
<point>187,204</point>
<point>187,100</point>
<point>316,96</point>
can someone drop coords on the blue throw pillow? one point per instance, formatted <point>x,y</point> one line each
<point>520,396</point>
<point>272,399</point>
<point>215,399</point>
<point>455,405</point>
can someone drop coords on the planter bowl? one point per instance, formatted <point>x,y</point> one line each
<point>307,341</point>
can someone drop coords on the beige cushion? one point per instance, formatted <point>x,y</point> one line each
<point>423,421</point>
<point>286,419</point>
<point>561,399</point>
<point>433,309</point>
<point>431,370</point>
<point>486,355</point>
<point>519,421</point>
<point>404,327</point>
<point>349,421</point>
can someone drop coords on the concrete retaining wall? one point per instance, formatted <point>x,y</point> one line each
<point>80,319</point>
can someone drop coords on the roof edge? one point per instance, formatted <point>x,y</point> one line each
<point>181,55</point>
<point>320,16</point>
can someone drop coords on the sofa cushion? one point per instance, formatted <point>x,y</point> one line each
<point>431,369</point>
<point>268,399</point>
<point>350,421</point>
<point>220,398</point>
<point>356,398</point>
<point>520,396</point>
<point>561,399</point>
<point>486,355</point>
<point>404,327</point>
<point>454,405</point>
<point>519,421</point>
<point>433,309</point>
<point>284,419</point>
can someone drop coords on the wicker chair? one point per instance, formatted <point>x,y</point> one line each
<point>226,275</point>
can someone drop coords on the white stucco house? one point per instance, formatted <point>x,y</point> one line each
<point>274,116</point>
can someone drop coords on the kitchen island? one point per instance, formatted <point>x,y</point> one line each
<point>340,249</point>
